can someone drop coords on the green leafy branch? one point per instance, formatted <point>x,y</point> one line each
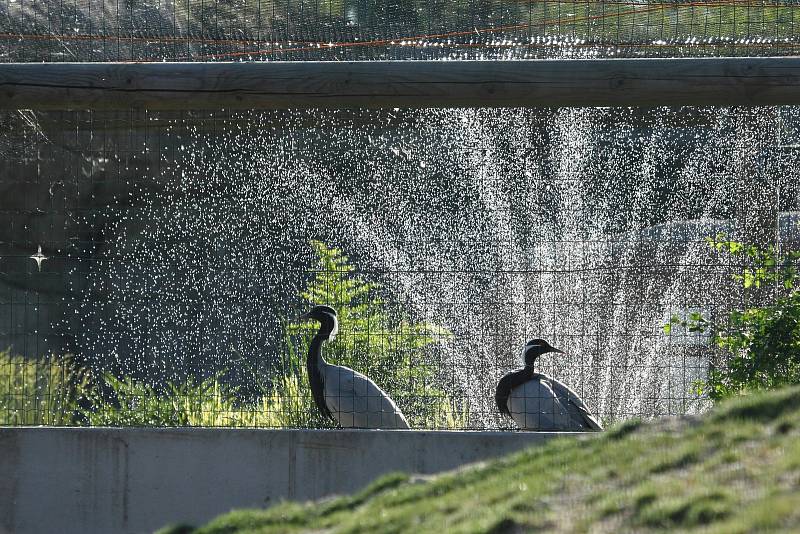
<point>762,342</point>
<point>376,338</point>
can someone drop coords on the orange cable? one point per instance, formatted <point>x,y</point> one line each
<point>382,42</point>
<point>171,39</point>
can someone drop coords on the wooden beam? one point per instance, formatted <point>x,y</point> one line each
<point>282,85</point>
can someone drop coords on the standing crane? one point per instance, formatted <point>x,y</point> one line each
<point>536,401</point>
<point>345,395</point>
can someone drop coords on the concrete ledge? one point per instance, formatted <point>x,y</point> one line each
<point>87,480</point>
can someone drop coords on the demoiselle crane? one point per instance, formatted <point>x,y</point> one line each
<point>347,396</point>
<point>536,401</point>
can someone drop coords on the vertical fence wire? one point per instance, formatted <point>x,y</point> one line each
<point>198,30</point>
<point>153,263</point>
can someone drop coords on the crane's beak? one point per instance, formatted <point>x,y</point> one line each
<point>304,317</point>
<point>553,349</point>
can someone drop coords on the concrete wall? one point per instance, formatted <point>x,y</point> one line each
<point>87,480</point>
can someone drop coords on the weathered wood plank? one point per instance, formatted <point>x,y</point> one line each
<point>282,85</point>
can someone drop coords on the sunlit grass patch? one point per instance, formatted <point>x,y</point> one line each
<point>730,471</point>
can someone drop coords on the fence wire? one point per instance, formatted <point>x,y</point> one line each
<point>153,265</point>
<point>235,30</point>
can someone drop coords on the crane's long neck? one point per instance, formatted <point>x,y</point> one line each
<point>314,365</point>
<point>315,358</point>
<point>529,356</point>
<point>530,360</point>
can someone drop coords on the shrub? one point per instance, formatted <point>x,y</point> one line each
<point>40,391</point>
<point>762,342</point>
<point>200,403</point>
<point>377,339</point>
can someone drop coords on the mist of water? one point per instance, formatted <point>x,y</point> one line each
<point>582,226</point>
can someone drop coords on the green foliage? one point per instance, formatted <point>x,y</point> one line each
<point>369,332</point>
<point>193,403</point>
<point>201,403</point>
<point>288,398</point>
<point>39,391</point>
<point>762,341</point>
<point>379,340</point>
<point>374,339</point>
<point>46,391</point>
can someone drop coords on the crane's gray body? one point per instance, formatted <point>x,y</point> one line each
<point>355,401</point>
<point>349,397</point>
<point>544,403</point>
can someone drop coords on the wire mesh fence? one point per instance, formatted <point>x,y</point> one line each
<point>199,30</point>
<point>153,265</point>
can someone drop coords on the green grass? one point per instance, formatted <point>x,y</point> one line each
<point>46,391</point>
<point>736,469</point>
<point>38,391</point>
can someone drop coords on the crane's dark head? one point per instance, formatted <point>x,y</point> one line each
<point>535,348</point>
<point>326,316</point>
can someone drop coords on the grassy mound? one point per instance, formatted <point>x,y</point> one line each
<point>736,469</point>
